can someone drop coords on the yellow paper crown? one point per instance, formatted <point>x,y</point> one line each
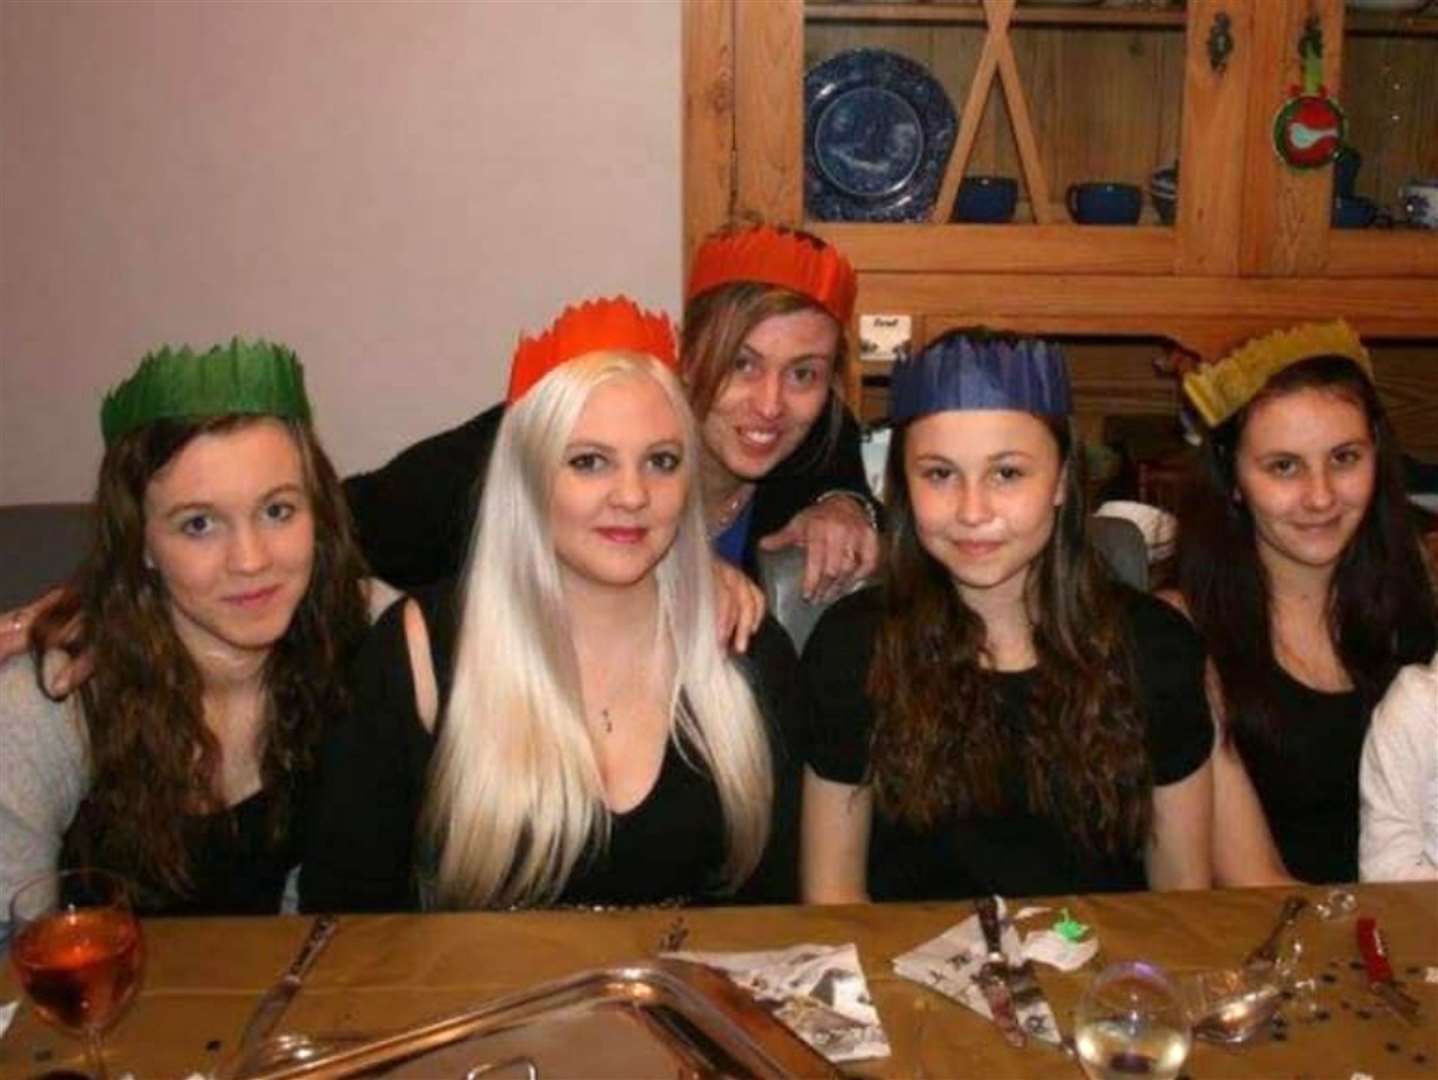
<point>1220,390</point>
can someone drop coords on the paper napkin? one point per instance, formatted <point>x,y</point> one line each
<point>950,964</point>
<point>818,991</point>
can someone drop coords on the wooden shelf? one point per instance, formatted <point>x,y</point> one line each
<point>1375,24</point>
<point>973,15</point>
<point>1380,25</point>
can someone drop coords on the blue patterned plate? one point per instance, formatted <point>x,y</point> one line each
<point>878,131</point>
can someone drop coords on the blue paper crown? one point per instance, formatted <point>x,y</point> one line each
<point>968,370</point>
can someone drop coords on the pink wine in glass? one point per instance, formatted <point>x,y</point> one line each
<point>81,966</point>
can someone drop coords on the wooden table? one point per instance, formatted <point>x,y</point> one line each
<point>383,972</point>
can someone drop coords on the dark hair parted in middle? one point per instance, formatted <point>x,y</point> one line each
<point>939,741</point>
<point>154,762</point>
<point>1382,611</point>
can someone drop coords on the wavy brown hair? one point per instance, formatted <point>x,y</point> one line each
<point>1382,612</point>
<point>154,763</point>
<point>939,741</point>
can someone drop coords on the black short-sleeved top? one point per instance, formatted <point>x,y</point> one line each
<point>1015,852</point>
<point>1307,780</point>
<point>362,852</point>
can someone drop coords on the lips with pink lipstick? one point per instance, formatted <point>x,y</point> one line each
<point>622,534</point>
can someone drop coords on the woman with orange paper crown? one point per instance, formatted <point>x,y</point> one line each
<point>999,716</point>
<point>221,602</point>
<point>566,726</point>
<point>764,350</point>
<point>1301,570</point>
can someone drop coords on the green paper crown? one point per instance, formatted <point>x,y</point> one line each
<point>243,377</point>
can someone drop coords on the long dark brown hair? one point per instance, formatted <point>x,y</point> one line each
<point>939,741</point>
<point>1382,613</point>
<point>154,763</point>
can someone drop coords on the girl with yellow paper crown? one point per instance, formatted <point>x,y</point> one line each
<point>566,727</point>
<point>220,603</point>
<point>1301,570</point>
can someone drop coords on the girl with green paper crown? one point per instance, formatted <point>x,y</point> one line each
<point>221,602</point>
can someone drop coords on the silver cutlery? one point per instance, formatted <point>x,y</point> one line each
<point>276,999</point>
<point>1267,952</point>
<point>993,976</point>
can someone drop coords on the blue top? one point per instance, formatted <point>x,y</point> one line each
<point>729,544</point>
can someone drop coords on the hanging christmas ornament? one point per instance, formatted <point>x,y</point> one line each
<point>1309,128</point>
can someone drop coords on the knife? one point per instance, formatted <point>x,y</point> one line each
<point>993,976</point>
<point>1374,948</point>
<point>1266,953</point>
<point>277,998</point>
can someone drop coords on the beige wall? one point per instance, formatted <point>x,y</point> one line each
<point>394,188</point>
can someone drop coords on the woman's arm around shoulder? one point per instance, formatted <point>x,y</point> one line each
<point>414,514</point>
<point>1242,851</point>
<point>43,776</point>
<point>1398,781</point>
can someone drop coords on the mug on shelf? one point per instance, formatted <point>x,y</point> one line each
<point>1346,164</point>
<point>1353,212</point>
<point>986,199</point>
<point>1420,202</point>
<point>1103,202</point>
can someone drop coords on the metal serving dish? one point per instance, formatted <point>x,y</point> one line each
<point>663,1018</point>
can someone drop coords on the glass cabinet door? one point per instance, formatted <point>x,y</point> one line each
<point>1045,113</point>
<point>1385,182</point>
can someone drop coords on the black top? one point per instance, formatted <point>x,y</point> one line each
<point>413,517</point>
<point>362,852</point>
<point>1016,852</point>
<point>235,867</point>
<point>1307,780</point>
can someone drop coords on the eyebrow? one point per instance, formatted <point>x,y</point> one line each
<point>193,507</point>
<point>934,455</point>
<point>745,347</point>
<point>595,444</point>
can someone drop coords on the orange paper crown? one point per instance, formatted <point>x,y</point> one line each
<point>781,257</point>
<point>593,326</point>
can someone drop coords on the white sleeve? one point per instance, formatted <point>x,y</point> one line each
<point>1398,782</point>
<point>43,776</point>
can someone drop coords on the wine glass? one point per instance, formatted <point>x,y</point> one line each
<point>1131,1021</point>
<point>78,951</point>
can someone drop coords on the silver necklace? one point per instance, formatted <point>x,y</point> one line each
<point>730,510</point>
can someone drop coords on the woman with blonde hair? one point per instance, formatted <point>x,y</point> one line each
<point>221,603</point>
<point>566,727</point>
<point>763,357</point>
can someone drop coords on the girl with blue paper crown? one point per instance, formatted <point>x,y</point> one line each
<point>566,726</point>
<point>999,716</point>
<point>221,602</point>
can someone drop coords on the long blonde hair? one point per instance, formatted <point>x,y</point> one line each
<point>516,798</point>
